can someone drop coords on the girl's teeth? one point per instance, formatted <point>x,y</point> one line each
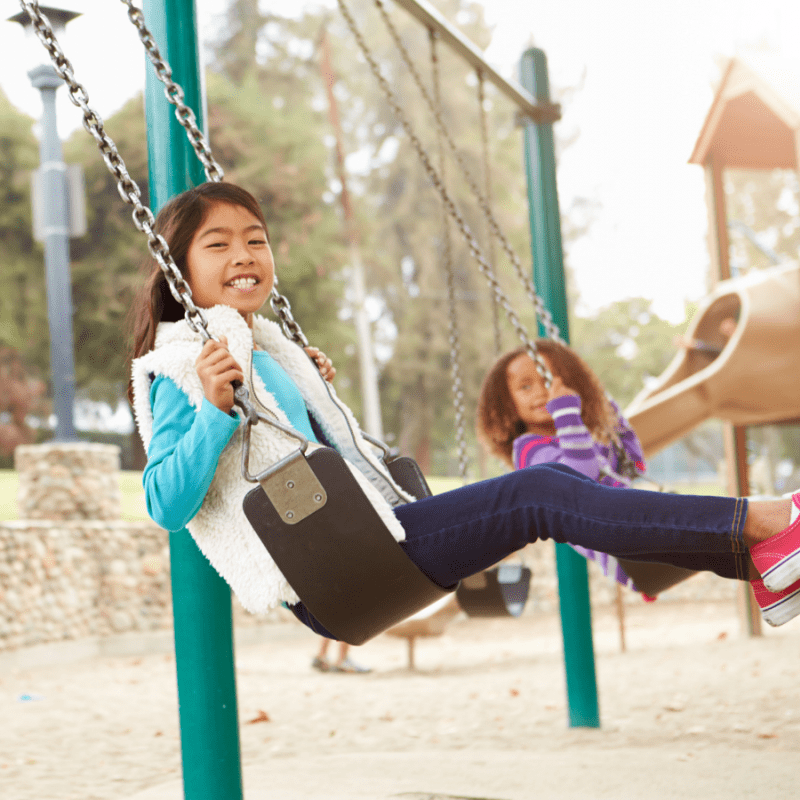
<point>243,283</point>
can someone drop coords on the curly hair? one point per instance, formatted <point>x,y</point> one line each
<point>498,423</point>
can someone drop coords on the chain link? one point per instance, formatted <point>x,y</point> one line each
<point>174,94</point>
<point>542,312</point>
<point>459,405</point>
<point>128,188</point>
<point>485,268</point>
<point>487,180</point>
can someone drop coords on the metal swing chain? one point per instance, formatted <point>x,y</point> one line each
<point>544,315</point>
<point>186,117</point>
<point>487,179</point>
<point>459,405</point>
<point>174,93</point>
<point>469,238</point>
<point>128,188</point>
<point>627,467</point>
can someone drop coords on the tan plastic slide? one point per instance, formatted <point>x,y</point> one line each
<point>754,380</point>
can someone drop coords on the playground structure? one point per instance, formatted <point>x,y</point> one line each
<point>753,123</point>
<point>753,380</point>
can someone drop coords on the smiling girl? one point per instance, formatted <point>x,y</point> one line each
<point>573,422</point>
<point>183,402</point>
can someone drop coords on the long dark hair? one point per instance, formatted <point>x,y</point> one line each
<point>177,222</point>
<point>498,423</point>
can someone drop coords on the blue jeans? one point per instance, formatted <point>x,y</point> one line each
<point>456,534</point>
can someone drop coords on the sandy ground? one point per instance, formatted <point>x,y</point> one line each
<point>692,709</point>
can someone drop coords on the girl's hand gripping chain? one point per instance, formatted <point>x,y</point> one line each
<point>324,364</point>
<point>218,369</point>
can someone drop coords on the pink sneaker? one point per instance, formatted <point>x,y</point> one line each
<point>778,558</point>
<point>777,608</point>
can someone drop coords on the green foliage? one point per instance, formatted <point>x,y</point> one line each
<point>23,310</point>
<point>106,261</point>
<point>766,202</point>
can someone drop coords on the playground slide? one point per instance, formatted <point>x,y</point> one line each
<point>754,380</point>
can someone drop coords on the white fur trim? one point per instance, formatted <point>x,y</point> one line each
<point>220,528</point>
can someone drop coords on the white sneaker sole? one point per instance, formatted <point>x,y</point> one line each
<point>782,610</point>
<point>783,574</point>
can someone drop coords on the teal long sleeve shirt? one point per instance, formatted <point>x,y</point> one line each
<point>186,445</point>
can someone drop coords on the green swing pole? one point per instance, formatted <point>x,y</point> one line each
<point>548,275</point>
<point>201,600</point>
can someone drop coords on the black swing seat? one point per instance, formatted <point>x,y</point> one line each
<point>501,591</point>
<point>652,578</point>
<point>334,549</point>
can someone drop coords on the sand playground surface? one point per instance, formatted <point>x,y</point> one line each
<point>693,709</point>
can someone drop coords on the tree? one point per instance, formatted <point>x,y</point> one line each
<point>626,344</point>
<point>23,309</point>
<point>20,396</point>
<point>766,202</point>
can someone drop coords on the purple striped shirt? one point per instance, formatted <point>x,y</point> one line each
<point>573,445</point>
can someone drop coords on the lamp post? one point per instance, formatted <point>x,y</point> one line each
<point>54,230</point>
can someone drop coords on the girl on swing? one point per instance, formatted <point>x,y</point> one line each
<point>523,423</point>
<point>183,401</point>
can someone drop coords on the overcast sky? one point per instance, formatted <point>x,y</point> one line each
<point>649,68</point>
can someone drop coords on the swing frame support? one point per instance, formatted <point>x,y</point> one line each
<point>548,277</point>
<point>201,600</point>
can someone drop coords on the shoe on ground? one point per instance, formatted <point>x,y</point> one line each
<point>777,608</point>
<point>320,664</point>
<point>350,666</point>
<point>778,558</point>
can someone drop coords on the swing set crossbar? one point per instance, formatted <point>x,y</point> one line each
<point>527,104</point>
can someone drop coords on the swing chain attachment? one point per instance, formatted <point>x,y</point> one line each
<point>175,95</point>
<point>290,484</point>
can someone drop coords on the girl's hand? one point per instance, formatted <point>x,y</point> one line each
<point>324,364</point>
<point>217,368</point>
<point>558,389</point>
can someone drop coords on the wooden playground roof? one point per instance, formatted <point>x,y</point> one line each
<point>754,120</point>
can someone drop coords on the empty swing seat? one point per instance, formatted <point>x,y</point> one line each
<point>652,578</point>
<point>498,592</point>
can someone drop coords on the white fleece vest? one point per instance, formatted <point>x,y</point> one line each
<point>220,527</point>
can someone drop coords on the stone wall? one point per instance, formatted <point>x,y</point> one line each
<point>70,568</point>
<point>68,480</point>
<point>70,580</point>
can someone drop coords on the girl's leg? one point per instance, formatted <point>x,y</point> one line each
<point>456,534</point>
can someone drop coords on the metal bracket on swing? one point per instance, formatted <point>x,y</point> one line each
<point>290,484</point>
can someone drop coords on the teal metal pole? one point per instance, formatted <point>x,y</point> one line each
<point>201,600</point>
<point>548,276</point>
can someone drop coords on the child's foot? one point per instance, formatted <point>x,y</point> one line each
<point>320,664</point>
<point>777,608</point>
<point>348,665</point>
<point>778,558</point>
